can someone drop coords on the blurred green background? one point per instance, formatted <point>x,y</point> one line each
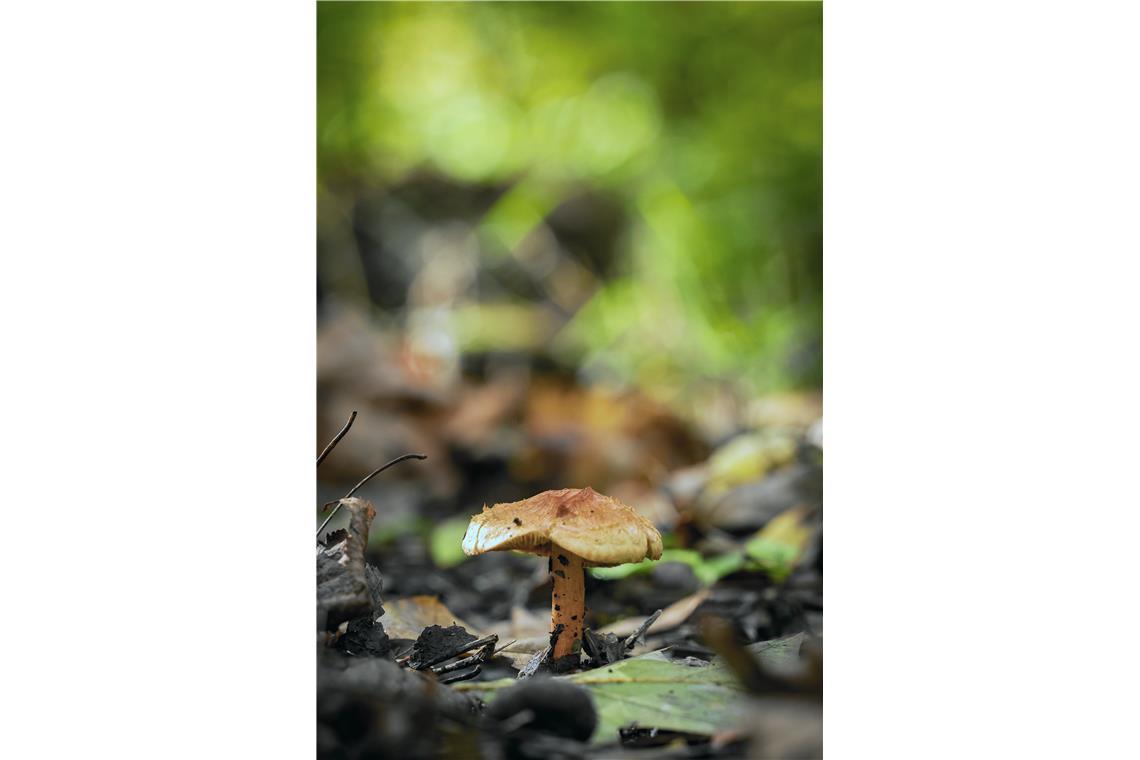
<point>632,189</point>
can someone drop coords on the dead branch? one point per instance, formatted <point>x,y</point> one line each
<point>336,439</point>
<point>356,487</point>
<point>460,649</point>
<point>481,656</point>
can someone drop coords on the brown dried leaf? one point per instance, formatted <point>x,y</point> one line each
<point>674,615</point>
<point>343,592</point>
<point>407,618</point>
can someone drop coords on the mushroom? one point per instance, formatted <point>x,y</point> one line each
<point>576,528</point>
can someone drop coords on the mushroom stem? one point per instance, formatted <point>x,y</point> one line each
<point>568,603</point>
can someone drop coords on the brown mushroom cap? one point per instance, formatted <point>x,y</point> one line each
<point>600,529</point>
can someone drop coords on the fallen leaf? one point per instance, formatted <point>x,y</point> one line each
<point>748,458</point>
<point>343,591</point>
<point>751,505</point>
<point>521,652</point>
<point>521,620</point>
<point>407,618</point>
<point>665,695</point>
<point>675,614</point>
<point>530,632</point>
<point>778,546</point>
<point>780,654</point>
<point>653,691</point>
<point>526,624</point>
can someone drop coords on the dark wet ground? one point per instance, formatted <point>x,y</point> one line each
<point>506,435</point>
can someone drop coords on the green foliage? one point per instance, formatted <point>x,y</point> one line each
<point>446,543</point>
<point>708,570</point>
<point>703,121</point>
<point>653,691</point>
<point>777,547</point>
<point>774,550</point>
<point>774,558</point>
<point>386,531</point>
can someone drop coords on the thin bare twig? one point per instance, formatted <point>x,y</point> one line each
<point>504,646</point>
<point>482,655</point>
<point>356,487</point>
<point>336,439</point>
<point>326,522</point>
<point>373,474</point>
<point>461,675</point>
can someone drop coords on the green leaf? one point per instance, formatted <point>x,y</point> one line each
<point>617,572</point>
<point>708,571</point>
<point>778,653</point>
<point>715,568</point>
<point>662,694</point>
<point>687,556</point>
<point>777,547</point>
<point>447,542</point>
<point>656,692</point>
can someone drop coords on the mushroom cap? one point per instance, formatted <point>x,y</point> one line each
<point>600,529</point>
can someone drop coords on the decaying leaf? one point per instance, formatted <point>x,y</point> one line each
<point>673,615</point>
<point>653,691</point>
<point>748,458</point>
<point>527,624</point>
<point>407,618</point>
<point>779,654</point>
<point>603,648</point>
<point>753,504</point>
<point>343,591</point>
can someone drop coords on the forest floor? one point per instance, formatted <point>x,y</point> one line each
<point>715,650</point>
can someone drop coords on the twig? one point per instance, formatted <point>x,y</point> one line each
<point>326,522</point>
<point>631,640</point>
<point>369,477</point>
<point>504,646</point>
<point>482,655</point>
<point>336,439</point>
<point>459,649</point>
<point>462,675</point>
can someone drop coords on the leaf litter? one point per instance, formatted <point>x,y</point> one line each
<point>653,690</point>
<point>744,548</point>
